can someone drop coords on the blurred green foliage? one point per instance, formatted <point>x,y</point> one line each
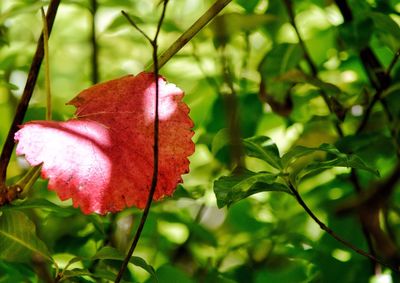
<point>272,113</point>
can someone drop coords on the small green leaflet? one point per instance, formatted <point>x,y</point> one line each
<point>263,148</point>
<point>338,159</point>
<point>297,76</point>
<point>231,189</point>
<point>113,254</point>
<point>349,161</point>
<point>299,151</point>
<point>18,239</point>
<point>388,31</point>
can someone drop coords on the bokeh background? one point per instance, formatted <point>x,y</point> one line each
<point>266,237</point>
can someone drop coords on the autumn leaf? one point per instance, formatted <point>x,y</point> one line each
<point>103,157</point>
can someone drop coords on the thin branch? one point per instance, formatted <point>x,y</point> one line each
<point>312,66</point>
<point>289,7</point>
<point>368,111</point>
<point>27,94</point>
<point>93,42</point>
<point>314,71</point>
<point>332,233</point>
<point>46,65</point>
<point>155,148</point>
<point>136,26</point>
<point>191,32</point>
<point>377,96</point>
<point>393,62</point>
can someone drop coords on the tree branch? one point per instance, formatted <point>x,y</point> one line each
<point>27,94</point>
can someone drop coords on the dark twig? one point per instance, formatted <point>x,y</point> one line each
<point>368,112</point>
<point>136,26</point>
<point>347,14</point>
<point>393,62</point>
<point>191,32</point>
<point>93,42</point>
<point>27,94</point>
<point>146,210</point>
<point>380,80</point>
<point>367,235</point>
<point>289,8</point>
<point>332,233</point>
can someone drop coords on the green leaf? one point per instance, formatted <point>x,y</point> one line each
<point>357,33</point>
<point>299,151</point>
<point>100,274</point>
<point>280,59</point>
<point>248,5</point>
<point>18,239</point>
<point>41,204</point>
<point>263,148</point>
<point>220,140</point>
<point>120,21</point>
<point>114,254</point>
<point>297,76</point>
<point>349,161</point>
<point>170,274</point>
<point>388,31</point>
<point>20,8</point>
<point>231,189</point>
<point>339,159</point>
<point>226,25</point>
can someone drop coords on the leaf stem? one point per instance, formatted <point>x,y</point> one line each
<point>153,187</point>
<point>27,94</point>
<point>28,180</point>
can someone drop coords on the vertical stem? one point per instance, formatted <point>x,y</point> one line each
<point>26,95</point>
<point>155,150</point>
<point>46,65</point>
<point>93,41</point>
<point>232,115</point>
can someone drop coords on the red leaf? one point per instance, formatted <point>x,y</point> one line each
<point>103,158</point>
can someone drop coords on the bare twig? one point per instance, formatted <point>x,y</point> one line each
<point>136,26</point>
<point>312,66</point>
<point>146,210</point>
<point>353,177</point>
<point>93,41</point>
<point>191,32</point>
<point>333,233</point>
<point>289,7</point>
<point>27,94</point>
<point>393,62</point>
<point>377,96</point>
<point>46,65</point>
